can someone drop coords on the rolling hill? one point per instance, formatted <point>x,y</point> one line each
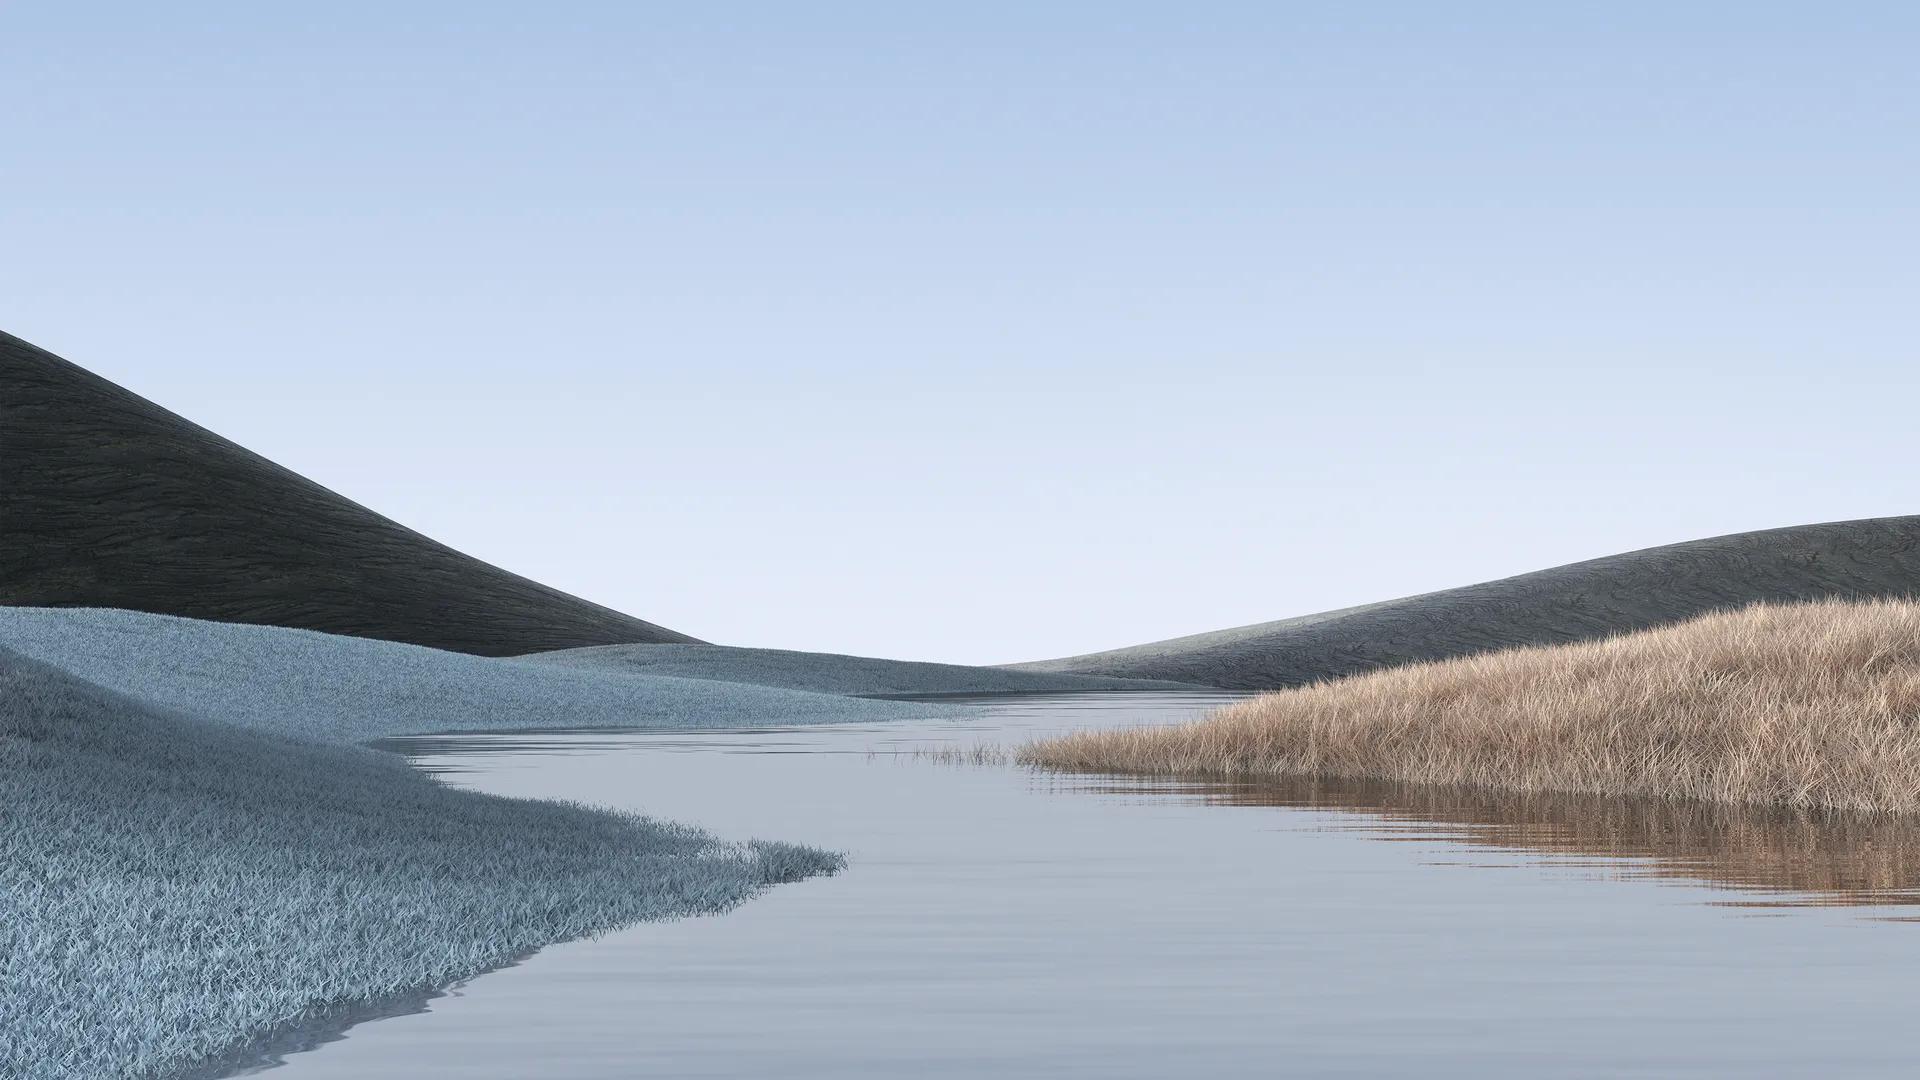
<point>338,688</point>
<point>1804,707</point>
<point>177,893</point>
<point>829,673</point>
<point>108,500</point>
<point>1873,557</point>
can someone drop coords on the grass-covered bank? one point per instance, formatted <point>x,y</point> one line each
<point>171,887</point>
<point>1813,706</point>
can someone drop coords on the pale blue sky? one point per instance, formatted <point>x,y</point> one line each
<point>992,331</point>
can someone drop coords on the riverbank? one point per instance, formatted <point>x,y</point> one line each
<point>244,867</point>
<point>1808,706</point>
<point>173,887</point>
<point>975,934</point>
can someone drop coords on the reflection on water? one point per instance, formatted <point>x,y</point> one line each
<point>995,921</point>
<point>1775,858</point>
<point>1797,859</point>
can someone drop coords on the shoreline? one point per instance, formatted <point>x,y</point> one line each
<point>1803,706</point>
<point>235,884</point>
<point>259,846</point>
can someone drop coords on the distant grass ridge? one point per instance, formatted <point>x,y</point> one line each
<point>1804,706</point>
<point>1872,558</point>
<point>108,500</point>
<point>342,689</point>
<point>172,887</point>
<point>829,673</point>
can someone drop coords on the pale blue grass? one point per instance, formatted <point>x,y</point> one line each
<point>172,887</point>
<point>347,689</point>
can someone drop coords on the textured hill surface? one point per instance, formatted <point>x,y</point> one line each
<point>828,673</point>
<point>1804,707</point>
<point>1874,557</point>
<point>336,688</point>
<point>108,500</point>
<point>173,889</point>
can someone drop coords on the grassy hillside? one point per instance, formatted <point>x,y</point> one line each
<point>1812,706</point>
<point>345,689</point>
<point>171,888</point>
<point>108,500</point>
<point>1877,557</point>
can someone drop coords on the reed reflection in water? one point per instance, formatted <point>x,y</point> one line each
<point>1781,858</point>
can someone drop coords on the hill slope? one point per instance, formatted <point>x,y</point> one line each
<point>1807,707</point>
<point>337,688</point>
<point>108,500</point>
<point>828,673</point>
<point>173,888</point>
<point>1874,557</point>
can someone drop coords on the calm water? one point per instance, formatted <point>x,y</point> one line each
<point>1000,922</point>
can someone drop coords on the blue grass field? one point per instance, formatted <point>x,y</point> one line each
<point>339,689</point>
<point>197,856</point>
<point>173,887</point>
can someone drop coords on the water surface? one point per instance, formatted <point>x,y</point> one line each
<point>996,921</point>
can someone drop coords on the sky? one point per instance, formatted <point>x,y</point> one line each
<point>987,332</point>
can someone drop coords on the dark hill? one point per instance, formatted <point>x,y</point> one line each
<point>108,500</point>
<point>1873,557</point>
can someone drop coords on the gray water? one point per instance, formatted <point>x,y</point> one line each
<point>996,921</point>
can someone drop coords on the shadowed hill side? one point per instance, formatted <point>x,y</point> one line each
<point>1869,558</point>
<point>108,500</point>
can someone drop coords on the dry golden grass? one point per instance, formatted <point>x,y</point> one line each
<point>1806,706</point>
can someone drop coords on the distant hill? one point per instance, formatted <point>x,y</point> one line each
<point>108,500</point>
<point>830,673</point>
<point>341,689</point>
<point>1874,557</point>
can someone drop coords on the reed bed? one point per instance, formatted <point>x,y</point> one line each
<point>1804,706</point>
<point>983,754</point>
